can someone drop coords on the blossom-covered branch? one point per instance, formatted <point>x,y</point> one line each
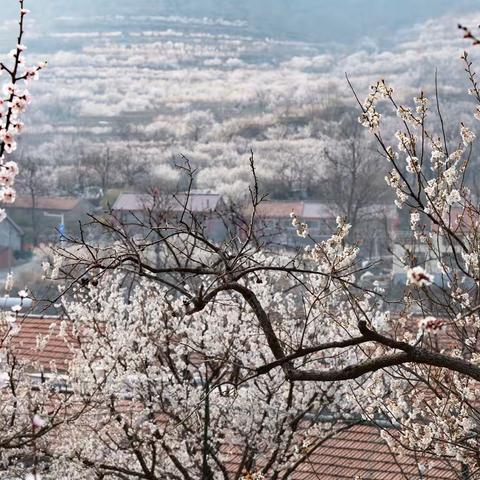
<point>13,102</point>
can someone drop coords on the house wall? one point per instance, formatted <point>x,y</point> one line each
<point>9,236</point>
<point>6,258</point>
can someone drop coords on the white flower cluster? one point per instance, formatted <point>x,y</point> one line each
<point>467,135</point>
<point>418,277</point>
<point>334,256</point>
<point>453,197</point>
<point>413,165</point>
<point>421,103</point>
<point>406,114</point>
<point>437,157</point>
<point>393,178</point>
<point>405,142</point>
<point>370,118</point>
<point>443,190</point>
<point>414,219</point>
<point>302,228</point>
<point>472,262</point>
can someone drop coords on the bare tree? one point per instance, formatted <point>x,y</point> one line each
<point>104,165</point>
<point>36,180</point>
<point>353,180</point>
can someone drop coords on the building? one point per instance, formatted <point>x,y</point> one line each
<point>40,217</point>
<point>373,231</point>
<point>11,242</point>
<point>208,209</point>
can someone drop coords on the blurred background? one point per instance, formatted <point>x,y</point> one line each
<point>132,86</point>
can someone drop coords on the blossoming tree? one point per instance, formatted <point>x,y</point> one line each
<point>21,426</point>
<point>414,361</point>
<point>174,395</point>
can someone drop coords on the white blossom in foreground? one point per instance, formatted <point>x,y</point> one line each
<point>434,406</point>
<point>431,324</point>
<point>418,277</point>
<point>146,369</point>
<point>302,228</point>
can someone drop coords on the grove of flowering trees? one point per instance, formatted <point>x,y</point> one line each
<point>228,361</point>
<point>100,94</point>
<point>412,362</point>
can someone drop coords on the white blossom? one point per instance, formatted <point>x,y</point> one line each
<point>418,277</point>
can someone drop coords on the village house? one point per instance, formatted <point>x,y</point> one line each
<point>11,242</point>
<point>40,217</point>
<point>373,231</point>
<point>208,209</point>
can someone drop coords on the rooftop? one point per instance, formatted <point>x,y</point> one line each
<point>195,202</point>
<point>311,210</point>
<point>47,203</point>
<point>56,349</point>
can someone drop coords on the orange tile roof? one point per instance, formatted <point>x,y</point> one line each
<point>357,451</point>
<point>47,203</point>
<point>361,451</point>
<point>312,210</point>
<point>274,209</point>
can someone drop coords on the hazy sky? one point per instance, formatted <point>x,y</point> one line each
<point>343,21</point>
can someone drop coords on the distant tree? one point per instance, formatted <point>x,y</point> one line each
<point>36,180</point>
<point>132,169</point>
<point>103,165</point>
<point>110,166</point>
<point>353,179</point>
<point>197,124</point>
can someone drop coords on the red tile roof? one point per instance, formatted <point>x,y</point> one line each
<point>361,451</point>
<point>268,209</point>
<point>358,451</point>
<point>312,210</point>
<point>56,349</point>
